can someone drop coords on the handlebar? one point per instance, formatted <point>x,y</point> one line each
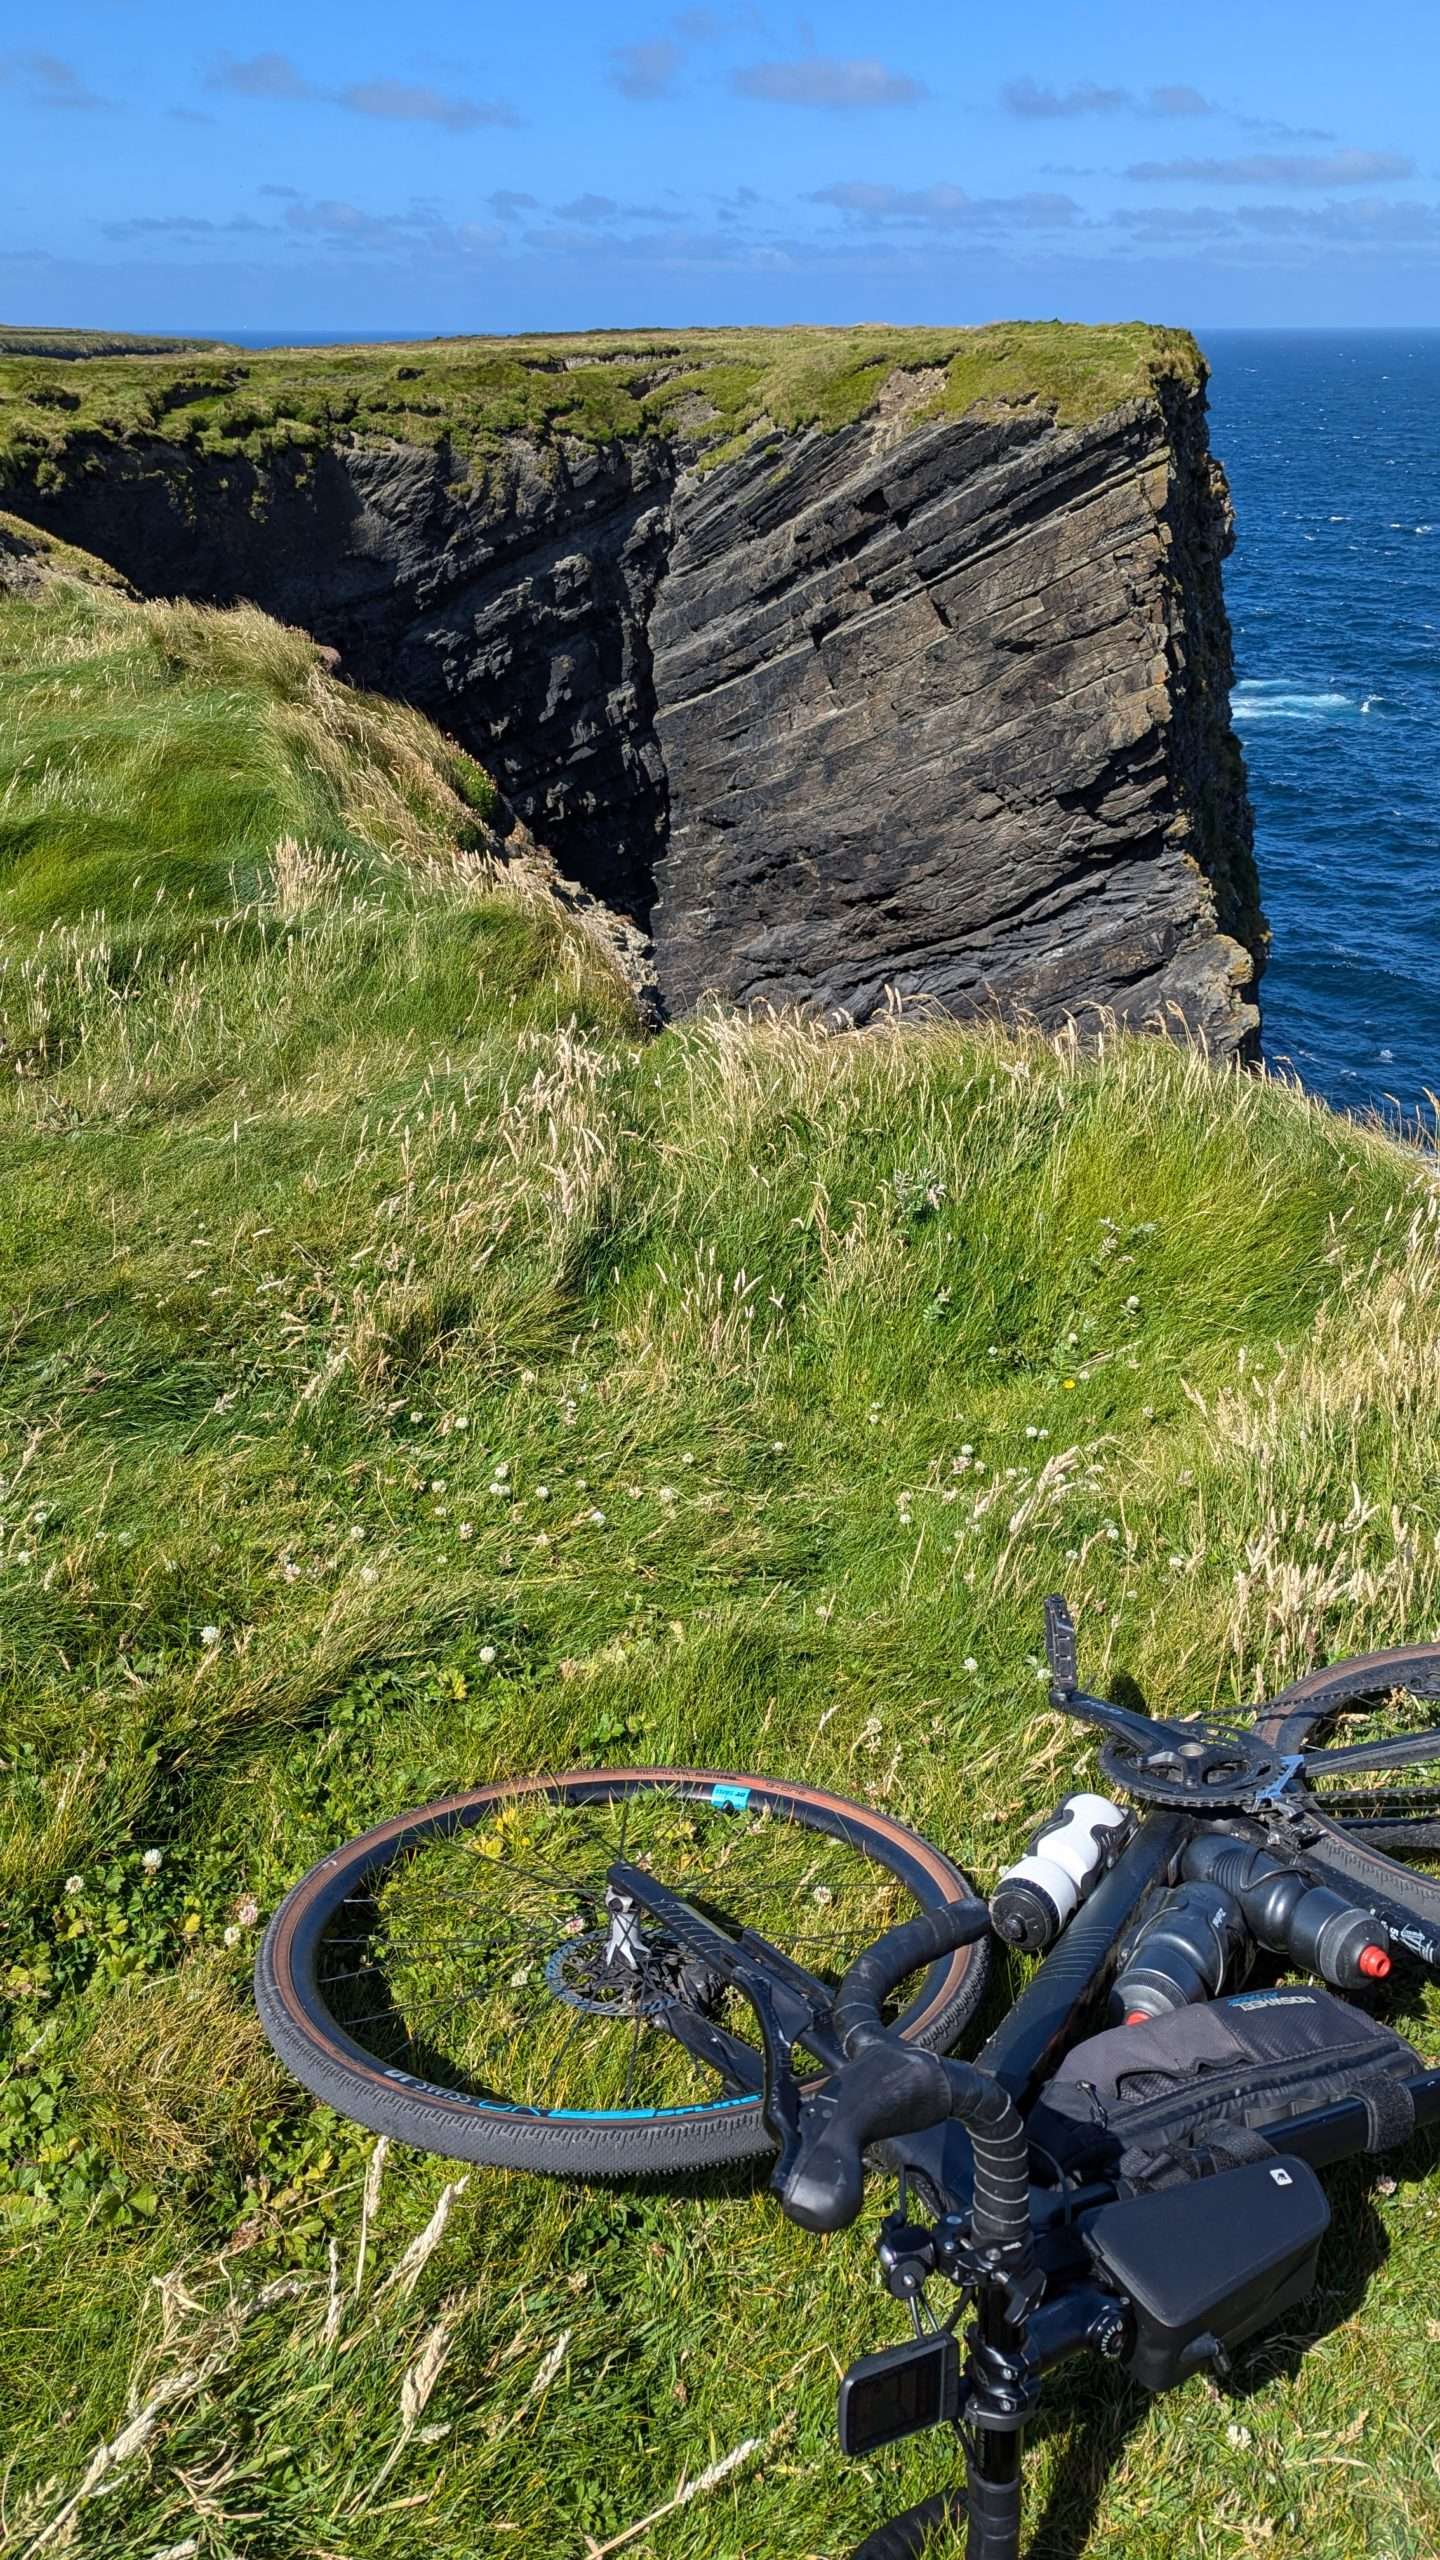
<point>889,2087</point>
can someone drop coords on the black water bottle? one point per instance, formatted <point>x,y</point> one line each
<point>1181,1952</point>
<point>1292,1916</point>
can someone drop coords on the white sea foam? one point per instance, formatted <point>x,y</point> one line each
<point>1271,698</point>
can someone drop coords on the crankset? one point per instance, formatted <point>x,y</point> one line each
<point>1191,1764</point>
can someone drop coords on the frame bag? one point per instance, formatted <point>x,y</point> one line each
<point>1183,2095</point>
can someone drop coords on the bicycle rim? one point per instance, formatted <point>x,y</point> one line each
<point>450,1976</point>
<point>1376,1829</point>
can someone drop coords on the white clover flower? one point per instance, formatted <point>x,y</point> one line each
<point>368,1575</point>
<point>291,1572</point>
<point>501,1469</point>
<point>599,1519</point>
<point>232,1936</point>
<point>1132,1306</point>
<point>437,1484</point>
<point>247,1910</point>
<point>1031,1431</point>
<point>152,1860</point>
<point>542,1493</point>
<point>487,1653</point>
<point>209,1635</point>
<point>518,1980</point>
<point>635,1492</point>
<point>417,1417</point>
<point>462,1421</point>
<point>466,1529</point>
<point>969,1663</point>
<point>822,1894</point>
<point>777,1448</point>
<point>357,1536</point>
<point>687,1460</point>
<point>74,1884</point>
<point>666,1493</point>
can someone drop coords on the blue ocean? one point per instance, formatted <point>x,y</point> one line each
<point>1332,445</point>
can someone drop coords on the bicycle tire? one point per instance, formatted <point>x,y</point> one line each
<point>1291,1723</point>
<point>334,2068</point>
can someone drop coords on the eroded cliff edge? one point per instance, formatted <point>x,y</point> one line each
<point>913,677</point>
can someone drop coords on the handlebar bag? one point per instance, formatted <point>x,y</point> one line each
<point>1186,2094</point>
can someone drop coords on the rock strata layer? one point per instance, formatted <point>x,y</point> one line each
<point>929,708</point>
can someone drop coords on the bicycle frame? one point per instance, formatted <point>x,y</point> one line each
<point>1026,2320</point>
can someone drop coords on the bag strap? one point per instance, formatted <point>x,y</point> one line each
<point>1389,2112</point>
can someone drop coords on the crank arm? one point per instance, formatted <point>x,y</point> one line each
<point>1144,1731</point>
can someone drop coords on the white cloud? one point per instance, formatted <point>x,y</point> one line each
<point>824,80</point>
<point>1279,169</point>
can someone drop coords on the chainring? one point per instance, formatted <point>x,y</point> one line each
<point>1198,1766</point>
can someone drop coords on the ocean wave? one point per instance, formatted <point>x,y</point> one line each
<point>1273,698</point>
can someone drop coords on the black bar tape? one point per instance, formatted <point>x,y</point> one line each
<point>873,1975</point>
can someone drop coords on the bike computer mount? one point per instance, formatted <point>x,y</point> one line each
<point>1192,1764</point>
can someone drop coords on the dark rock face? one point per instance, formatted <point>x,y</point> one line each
<point>950,717</point>
<point>943,711</point>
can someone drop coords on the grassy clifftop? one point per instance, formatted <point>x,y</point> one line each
<point>412,1375</point>
<point>709,385</point>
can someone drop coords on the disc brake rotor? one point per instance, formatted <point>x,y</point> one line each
<point>584,1973</point>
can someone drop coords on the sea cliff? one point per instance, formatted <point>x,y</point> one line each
<point>849,664</point>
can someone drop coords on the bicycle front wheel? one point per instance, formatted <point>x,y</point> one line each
<point>452,1977</point>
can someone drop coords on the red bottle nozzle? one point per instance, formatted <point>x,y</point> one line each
<point>1374,1963</point>
<point>1141,2017</point>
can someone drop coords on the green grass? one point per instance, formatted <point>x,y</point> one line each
<point>710,387</point>
<point>329,1194</point>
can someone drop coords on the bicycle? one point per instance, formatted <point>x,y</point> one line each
<point>723,1965</point>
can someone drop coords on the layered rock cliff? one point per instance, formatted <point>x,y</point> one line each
<point>927,696</point>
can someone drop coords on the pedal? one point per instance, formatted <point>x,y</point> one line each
<point>1060,1650</point>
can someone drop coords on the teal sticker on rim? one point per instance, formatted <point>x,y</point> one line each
<point>736,1798</point>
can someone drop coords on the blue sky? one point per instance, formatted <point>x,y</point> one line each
<point>361,169</point>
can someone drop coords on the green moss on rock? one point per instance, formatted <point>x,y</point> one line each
<point>705,388</point>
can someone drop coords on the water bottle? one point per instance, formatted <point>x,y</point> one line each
<point>1038,1897</point>
<point>1290,1914</point>
<point>1181,1952</point>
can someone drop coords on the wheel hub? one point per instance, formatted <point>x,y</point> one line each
<point>584,1972</point>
